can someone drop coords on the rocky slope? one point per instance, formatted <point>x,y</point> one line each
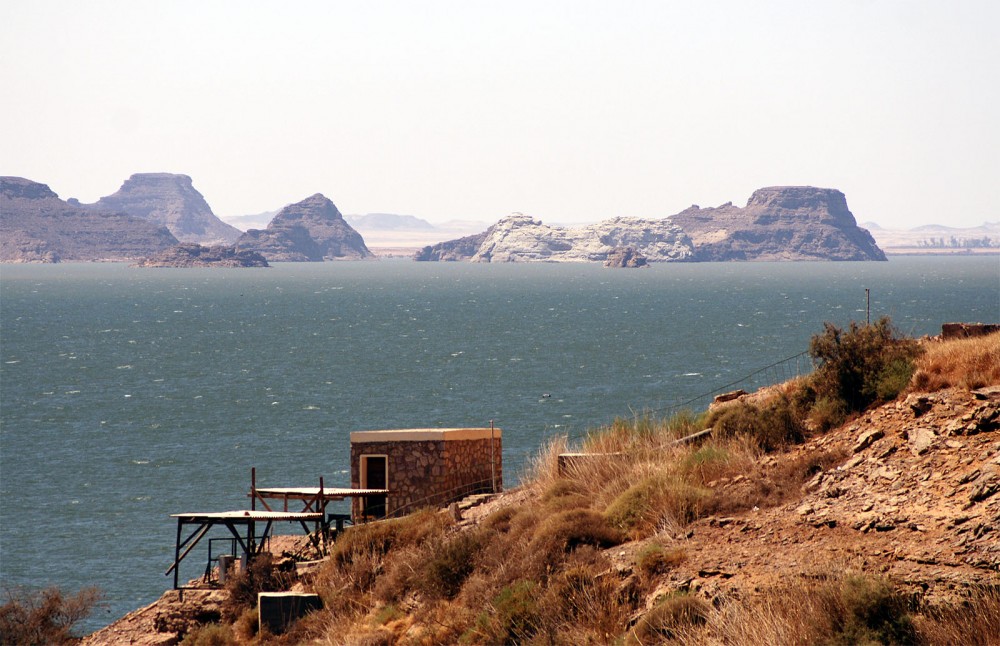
<point>195,255</point>
<point>914,496</point>
<point>312,230</point>
<point>779,223</point>
<point>172,201</point>
<point>521,238</point>
<point>37,226</point>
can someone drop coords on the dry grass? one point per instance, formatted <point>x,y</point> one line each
<point>965,363</point>
<point>44,617</point>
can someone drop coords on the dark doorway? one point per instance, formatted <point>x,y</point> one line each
<point>374,477</point>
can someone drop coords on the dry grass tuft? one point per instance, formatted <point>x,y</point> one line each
<point>965,363</point>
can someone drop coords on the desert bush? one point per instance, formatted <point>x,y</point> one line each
<point>654,559</point>
<point>641,508</point>
<point>516,616</point>
<point>865,609</point>
<point>843,609</point>
<point>673,616</point>
<point>378,538</point>
<point>262,575</point>
<point>211,635</point>
<point>565,531</point>
<point>862,365</point>
<point>974,621</point>
<point>443,574</point>
<point>966,363</point>
<point>45,616</point>
<point>565,494</point>
<point>773,426</point>
<point>582,604</point>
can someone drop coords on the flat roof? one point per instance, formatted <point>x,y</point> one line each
<point>311,492</point>
<point>425,434</point>
<point>248,515</point>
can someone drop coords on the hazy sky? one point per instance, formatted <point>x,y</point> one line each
<point>569,111</point>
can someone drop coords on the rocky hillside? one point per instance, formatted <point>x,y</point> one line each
<point>882,530</point>
<point>37,226</point>
<point>779,223</point>
<point>521,238</point>
<point>171,201</point>
<point>312,230</point>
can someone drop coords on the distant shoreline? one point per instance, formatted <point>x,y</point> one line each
<point>926,251</point>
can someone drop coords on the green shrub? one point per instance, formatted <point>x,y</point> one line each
<point>640,508</point>
<point>869,610</point>
<point>862,365</point>
<point>565,531</point>
<point>44,617</point>
<point>773,427</point>
<point>516,613</point>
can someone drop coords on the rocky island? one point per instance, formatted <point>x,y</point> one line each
<point>37,226</point>
<point>312,230</point>
<point>196,255</point>
<point>778,223</point>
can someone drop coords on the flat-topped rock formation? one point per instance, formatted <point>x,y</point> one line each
<point>196,255</point>
<point>312,230</point>
<point>37,226</point>
<point>779,223</point>
<point>172,201</point>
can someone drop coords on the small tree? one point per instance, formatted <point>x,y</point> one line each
<point>44,617</point>
<point>862,365</point>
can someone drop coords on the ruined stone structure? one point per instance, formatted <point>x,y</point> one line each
<point>423,467</point>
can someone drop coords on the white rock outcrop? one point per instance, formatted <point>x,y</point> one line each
<point>522,238</point>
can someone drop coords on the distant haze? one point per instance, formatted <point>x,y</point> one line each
<point>570,112</point>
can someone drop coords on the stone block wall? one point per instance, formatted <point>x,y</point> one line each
<point>430,467</point>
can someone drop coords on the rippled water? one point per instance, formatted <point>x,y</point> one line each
<point>130,394</point>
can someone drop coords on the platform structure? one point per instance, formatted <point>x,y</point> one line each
<point>242,524</point>
<point>311,499</point>
<point>234,521</point>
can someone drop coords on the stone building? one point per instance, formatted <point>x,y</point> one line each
<point>423,467</point>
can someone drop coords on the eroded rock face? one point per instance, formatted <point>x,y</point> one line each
<point>37,226</point>
<point>172,201</point>
<point>779,223</point>
<point>625,258</point>
<point>521,238</point>
<point>312,230</point>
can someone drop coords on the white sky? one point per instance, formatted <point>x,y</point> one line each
<point>569,111</point>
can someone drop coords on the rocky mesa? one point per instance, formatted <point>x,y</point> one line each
<point>37,226</point>
<point>778,223</point>
<point>172,201</point>
<point>312,230</point>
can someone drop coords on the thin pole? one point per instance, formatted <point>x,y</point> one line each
<point>493,461</point>
<point>868,306</point>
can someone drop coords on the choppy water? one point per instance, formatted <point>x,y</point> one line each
<point>130,394</point>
